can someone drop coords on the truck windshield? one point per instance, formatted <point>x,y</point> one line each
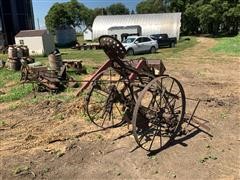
<point>129,40</point>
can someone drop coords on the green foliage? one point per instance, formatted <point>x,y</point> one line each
<point>96,12</point>
<point>190,21</point>
<point>214,17</point>
<point>57,16</point>
<point>229,45</point>
<point>70,13</point>
<point>117,9</point>
<point>114,9</point>
<point>199,16</point>
<point>151,6</point>
<point>178,5</point>
<point>75,14</point>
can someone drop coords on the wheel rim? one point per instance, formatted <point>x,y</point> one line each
<point>153,50</point>
<point>103,102</point>
<point>130,52</point>
<point>158,113</point>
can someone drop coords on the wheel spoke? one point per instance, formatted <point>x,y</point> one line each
<point>154,135</point>
<point>96,113</point>
<point>161,94</point>
<point>101,93</point>
<point>164,111</point>
<point>170,90</point>
<point>102,101</point>
<point>104,118</point>
<point>160,136</point>
<point>177,107</point>
<point>175,96</point>
<point>118,109</point>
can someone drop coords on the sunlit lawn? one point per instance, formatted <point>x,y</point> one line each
<point>11,89</point>
<point>228,45</point>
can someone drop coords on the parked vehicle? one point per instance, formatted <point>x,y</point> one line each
<point>140,44</point>
<point>164,40</point>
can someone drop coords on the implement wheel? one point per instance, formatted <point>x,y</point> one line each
<point>158,113</point>
<point>104,102</point>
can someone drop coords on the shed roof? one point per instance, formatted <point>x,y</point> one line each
<point>88,28</point>
<point>31,33</point>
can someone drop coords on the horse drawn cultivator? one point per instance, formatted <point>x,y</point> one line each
<point>135,92</point>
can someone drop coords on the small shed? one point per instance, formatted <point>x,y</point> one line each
<point>88,34</point>
<point>39,42</point>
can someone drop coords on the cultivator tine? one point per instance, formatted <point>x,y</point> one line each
<point>162,115</point>
<point>192,115</point>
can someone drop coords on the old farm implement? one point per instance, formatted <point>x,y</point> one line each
<point>46,80</point>
<point>137,92</point>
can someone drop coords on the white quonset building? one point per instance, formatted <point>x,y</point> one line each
<point>169,23</point>
<point>39,42</point>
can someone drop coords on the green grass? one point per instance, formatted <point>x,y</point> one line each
<point>10,85</point>
<point>16,93</point>
<point>228,45</point>
<point>66,96</point>
<point>90,56</point>
<point>3,57</point>
<point>7,76</point>
<point>10,80</point>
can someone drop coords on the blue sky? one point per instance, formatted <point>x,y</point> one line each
<point>41,7</point>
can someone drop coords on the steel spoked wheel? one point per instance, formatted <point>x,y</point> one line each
<point>158,113</point>
<point>104,101</point>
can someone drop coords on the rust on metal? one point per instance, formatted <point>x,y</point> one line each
<point>135,92</point>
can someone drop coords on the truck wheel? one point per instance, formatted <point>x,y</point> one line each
<point>153,50</point>
<point>130,52</point>
<point>172,44</point>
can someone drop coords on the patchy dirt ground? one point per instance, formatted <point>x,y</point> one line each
<point>50,140</point>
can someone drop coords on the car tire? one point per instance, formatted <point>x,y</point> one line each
<point>153,50</point>
<point>130,52</point>
<point>172,45</point>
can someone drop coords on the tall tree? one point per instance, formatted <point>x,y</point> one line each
<point>190,21</point>
<point>151,6</point>
<point>79,13</point>
<point>208,16</point>
<point>96,12</point>
<point>117,9</point>
<point>231,19</point>
<point>70,13</point>
<point>56,16</point>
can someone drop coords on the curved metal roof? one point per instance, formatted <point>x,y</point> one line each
<point>169,23</point>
